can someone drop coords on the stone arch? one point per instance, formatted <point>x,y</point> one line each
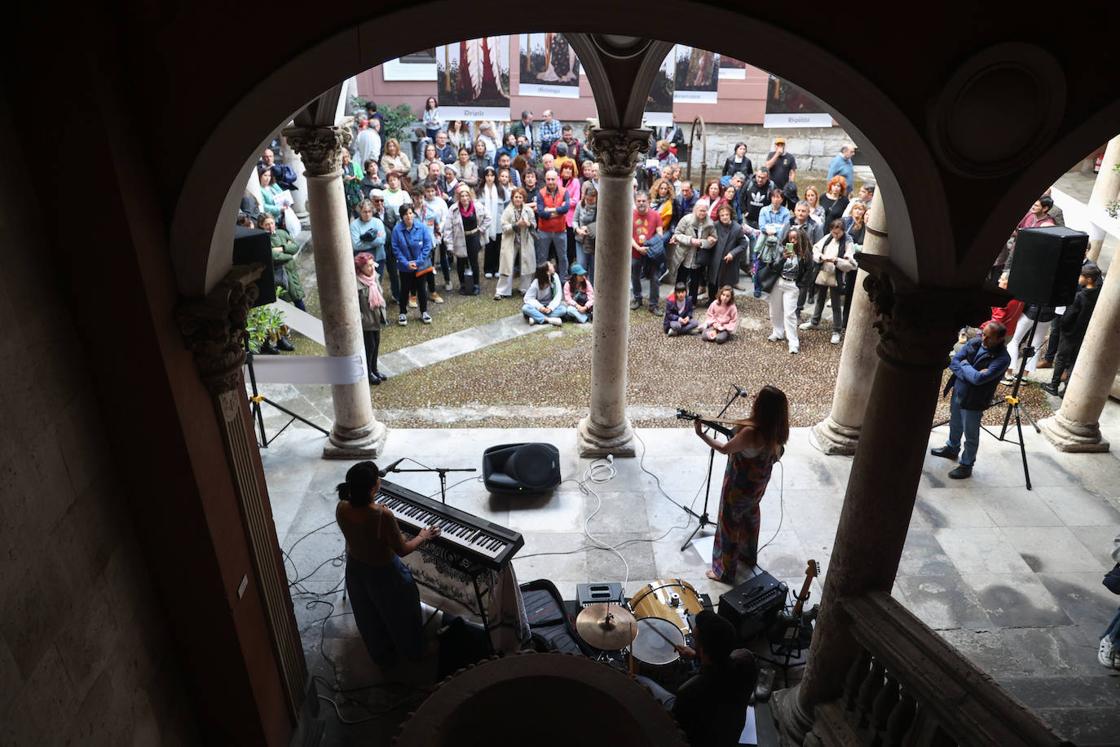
<point>904,167</point>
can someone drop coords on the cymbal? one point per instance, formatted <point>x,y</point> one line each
<point>607,627</point>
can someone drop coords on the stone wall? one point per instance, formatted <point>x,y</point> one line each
<point>813,147</point>
<point>84,653</point>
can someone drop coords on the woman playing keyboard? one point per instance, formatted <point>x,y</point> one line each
<point>382,593</point>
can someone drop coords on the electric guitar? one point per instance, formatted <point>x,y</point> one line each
<point>794,629</point>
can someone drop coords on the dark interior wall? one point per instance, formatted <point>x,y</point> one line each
<point>84,645</point>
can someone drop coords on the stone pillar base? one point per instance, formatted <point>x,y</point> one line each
<point>367,442</point>
<point>594,442</point>
<point>1067,435</point>
<point>792,723</point>
<point>832,438</point>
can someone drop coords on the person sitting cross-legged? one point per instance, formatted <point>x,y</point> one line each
<point>977,369</point>
<point>678,319</point>
<point>544,301</point>
<point>579,296</point>
<point>722,318</point>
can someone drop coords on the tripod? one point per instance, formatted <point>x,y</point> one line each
<point>704,519</point>
<point>1014,408</point>
<point>442,477</point>
<point>256,398</point>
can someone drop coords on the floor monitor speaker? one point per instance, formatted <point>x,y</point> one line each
<point>1046,264</point>
<point>251,246</point>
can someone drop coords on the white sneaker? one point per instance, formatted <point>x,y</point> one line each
<point>531,321</point>
<point>489,275</point>
<point>775,337</point>
<point>402,320</point>
<point>835,339</point>
<point>555,321</point>
<point>794,351</point>
<point>1107,654</point>
<point>807,325</point>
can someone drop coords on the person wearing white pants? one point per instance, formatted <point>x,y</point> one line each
<point>792,269</point>
<point>1045,315</point>
<point>783,313</point>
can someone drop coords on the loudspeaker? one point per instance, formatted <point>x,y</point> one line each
<point>1046,264</point>
<point>521,468</point>
<point>251,245</point>
<point>753,605</point>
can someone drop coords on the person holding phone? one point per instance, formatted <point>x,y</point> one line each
<point>791,270</point>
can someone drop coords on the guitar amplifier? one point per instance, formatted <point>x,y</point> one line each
<point>753,605</point>
<point>599,593</point>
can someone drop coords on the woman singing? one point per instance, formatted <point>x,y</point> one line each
<point>758,442</point>
<point>384,597</point>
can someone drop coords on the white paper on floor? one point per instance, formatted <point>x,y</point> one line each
<point>750,732</point>
<point>703,544</point>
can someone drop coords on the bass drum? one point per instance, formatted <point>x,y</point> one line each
<point>673,599</point>
<point>654,654</point>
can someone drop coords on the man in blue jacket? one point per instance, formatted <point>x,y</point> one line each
<point>977,369</point>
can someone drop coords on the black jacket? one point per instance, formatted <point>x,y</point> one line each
<point>729,239</point>
<point>1076,318</point>
<point>730,168</point>
<point>1042,314</point>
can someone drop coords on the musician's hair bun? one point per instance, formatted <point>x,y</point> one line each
<point>360,481</point>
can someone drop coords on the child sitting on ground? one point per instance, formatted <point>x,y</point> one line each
<point>678,312</point>
<point>544,300</point>
<point>722,318</point>
<point>579,296</point>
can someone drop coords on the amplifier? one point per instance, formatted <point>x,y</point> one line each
<point>753,605</point>
<point>599,593</point>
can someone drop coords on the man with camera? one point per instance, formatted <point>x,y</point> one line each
<point>977,369</point>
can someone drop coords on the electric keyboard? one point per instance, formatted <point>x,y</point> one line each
<point>465,540</point>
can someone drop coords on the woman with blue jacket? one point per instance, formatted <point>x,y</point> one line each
<point>412,247</point>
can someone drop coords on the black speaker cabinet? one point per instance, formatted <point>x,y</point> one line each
<point>753,605</point>
<point>1046,264</point>
<point>250,246</point>
<point>521,468</point>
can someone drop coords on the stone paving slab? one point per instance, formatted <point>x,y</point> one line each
<point>455,344</point>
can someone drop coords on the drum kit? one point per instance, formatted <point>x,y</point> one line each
<point>647,637</point>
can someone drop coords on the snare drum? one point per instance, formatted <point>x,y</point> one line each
<point>654,655</point>
<point>674,600</point>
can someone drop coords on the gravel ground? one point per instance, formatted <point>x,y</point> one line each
<point>551,371</point>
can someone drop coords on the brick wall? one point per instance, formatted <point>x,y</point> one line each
<point>84,653</point>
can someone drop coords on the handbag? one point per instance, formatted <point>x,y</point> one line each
<point>655,248</point>
<point>826,275</point>
<point>768,277</point>
<point>1112,579</point>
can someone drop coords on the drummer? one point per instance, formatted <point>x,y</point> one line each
<point>711,707</point>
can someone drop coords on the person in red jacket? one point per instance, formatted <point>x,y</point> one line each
<point>553,204</point>
<point>1007,315</point>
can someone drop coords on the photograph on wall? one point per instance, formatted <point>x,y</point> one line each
<point>472,79</point>
<point>418,66</point>
<point>695,75</point>
<point>731,68</point>
<point>790,106</point>
<point>548,67</point>
<point>659,104</point>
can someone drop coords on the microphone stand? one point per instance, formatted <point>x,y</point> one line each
<point>704,519</point>
<point>442,471</point>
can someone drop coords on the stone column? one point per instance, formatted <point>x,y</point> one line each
<point>214,330</point>
<point>1076,425</point>
<point>606,429</point>
<point>299,196</point>
<point>1105,190</point>
<point>355,433</point>
<point>917,328</point>
<point>839,432</point>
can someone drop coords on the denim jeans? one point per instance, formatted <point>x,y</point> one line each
<point>575,314</point>
<point>587,259</point>
<point>559,239</point>
<point>1112,632</point>
<point>968,422</point>
<point>558,312</point>
<point>637,269</point>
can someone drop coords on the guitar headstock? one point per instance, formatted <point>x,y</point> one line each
<point>686,415</point>
<point>812,569</point>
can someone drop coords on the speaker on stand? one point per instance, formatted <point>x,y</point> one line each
<point>1044,271</point>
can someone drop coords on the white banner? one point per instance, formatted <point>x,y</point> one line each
<point>803,119</point>
<point>473,79</point>
<point>695,75</point>
<point>309,369</point>
<point>659,103</point>
<point>548,67</point>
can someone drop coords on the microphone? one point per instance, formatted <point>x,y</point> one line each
<point>740,391</point>
<point>391,467</point>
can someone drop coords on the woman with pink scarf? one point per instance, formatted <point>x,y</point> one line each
<point>371,303</point>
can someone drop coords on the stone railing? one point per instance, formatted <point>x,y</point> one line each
<point>910,687</point>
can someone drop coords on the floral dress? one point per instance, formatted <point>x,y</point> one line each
<point>744,482</point>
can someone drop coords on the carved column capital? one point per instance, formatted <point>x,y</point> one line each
<point>320,147</point>
<point>917,324</point>
<point>214,328</point>
<point>618,151</point>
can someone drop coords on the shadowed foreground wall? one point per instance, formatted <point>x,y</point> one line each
<point>84,653</point>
